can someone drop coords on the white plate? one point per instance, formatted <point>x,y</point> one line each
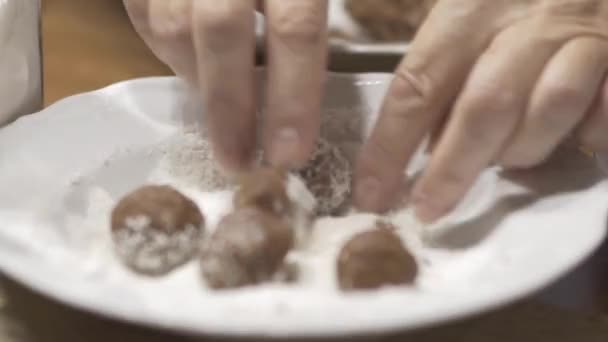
<point>522,237</point>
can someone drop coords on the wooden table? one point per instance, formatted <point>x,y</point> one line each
<point>90,44</point>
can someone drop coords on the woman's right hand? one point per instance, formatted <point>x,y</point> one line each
<point>211,45</point>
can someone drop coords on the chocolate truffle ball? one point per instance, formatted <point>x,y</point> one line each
<point>328,176</point>
<point>156,229</point>
<point>248,248</point>
<point>373,259</point>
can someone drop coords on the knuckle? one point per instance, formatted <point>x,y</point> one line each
<point>487,112</point>
<point>172,19</point>
<point>491,96</point>
<point>562,93</point>
<point>222,20</point>
<point>481,130</point>
<point>298,26</point>
<point>410,99</point>
<point>481,125</point>
<point>556,111</point>
<point>411,83</point>
<point>383,151</point>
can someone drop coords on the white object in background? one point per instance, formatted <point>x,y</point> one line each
<point>20,59</point>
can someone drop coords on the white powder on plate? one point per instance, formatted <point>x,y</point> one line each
<point>304,208</point>
<point>187,164</point>
<point>153,251</point>
<point>187,158</point>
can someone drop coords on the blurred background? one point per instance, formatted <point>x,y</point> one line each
<point>89,44</point>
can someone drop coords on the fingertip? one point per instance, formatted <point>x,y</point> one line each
<point>375,188</point>
<point>283,147</point>
<point>425,210</point>
<point>234,155</point>
<point>522,160</point>
<point>289,147</point>
<point>427,204</point>
<point>367,194</point>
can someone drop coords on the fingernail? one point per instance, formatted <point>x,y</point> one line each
<point>285,147</point>
<point>425,209</point>
<point>368,194</point>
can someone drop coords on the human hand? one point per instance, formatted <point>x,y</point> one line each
<point>211,44</point>
<point>501,81</point>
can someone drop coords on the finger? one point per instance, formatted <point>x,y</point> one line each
<point>424,86</point>
<point>225,49</point>
<point>297,57</point>
<point>593,133</point>
<point>562,97</point>
<point>166,27</point>
<point>484,117</point>
<point>436,133</point>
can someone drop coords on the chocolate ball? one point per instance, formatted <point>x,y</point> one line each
<point>248,248</point>
<point>156,229</point>
<point>328,176</point>
<point>373,259</point>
